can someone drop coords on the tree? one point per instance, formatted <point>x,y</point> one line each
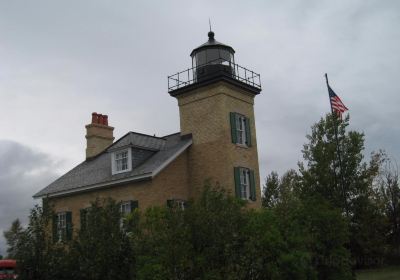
<point>314,231</point>
<point>346,184</point>
<point>101,248</point>
<point>37,256</point>
<point>389,190</point>
<point>12,236</point>
<point>280,190</point>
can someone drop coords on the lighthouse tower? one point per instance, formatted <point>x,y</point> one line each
<point>216,106</point>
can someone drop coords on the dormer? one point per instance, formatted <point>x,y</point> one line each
<point>132,150</point>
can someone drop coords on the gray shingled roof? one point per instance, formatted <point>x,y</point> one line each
<point>96,172</point>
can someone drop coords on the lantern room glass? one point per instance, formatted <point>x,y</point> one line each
<point>212,56</point>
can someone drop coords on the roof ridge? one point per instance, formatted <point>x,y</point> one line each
<point>169,135</point>
<point>143,134</point>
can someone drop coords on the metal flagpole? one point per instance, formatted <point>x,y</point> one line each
<point>338,151</point>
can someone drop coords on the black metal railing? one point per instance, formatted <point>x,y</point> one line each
<point>218,67</point>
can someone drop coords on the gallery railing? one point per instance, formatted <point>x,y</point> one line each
<point>215,68</point>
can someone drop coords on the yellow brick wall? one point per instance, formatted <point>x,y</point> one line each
<point>205,112</point>
<point>98,138</point>
<point>170,183</point>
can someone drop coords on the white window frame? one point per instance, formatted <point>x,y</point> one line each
<point>114,164</point>
<point>61,226</point>
<point>125,207</point>
<point>245,192</point>
<point>241,135</point>
<point>180,204</point>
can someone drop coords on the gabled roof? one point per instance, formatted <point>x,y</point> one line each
<point>96,173</point>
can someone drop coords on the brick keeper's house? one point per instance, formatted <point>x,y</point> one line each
<point>216,142</point>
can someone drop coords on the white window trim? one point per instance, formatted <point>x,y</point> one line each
<point>245,182</point>
<point>113,161</point>
<point>61,228</point>
<point>128,206</point>
<point>241,133</point>
<point>180,203</point>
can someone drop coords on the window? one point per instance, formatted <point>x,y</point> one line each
<point>177,203</point>
<point>245,187</point>
<point>244,183</point>
<point>62,226</point>
<point>126,208</point>
<point>240,129</point>
<point>121,161</point>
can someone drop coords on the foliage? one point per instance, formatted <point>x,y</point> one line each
<point>389,193</point>
<point>347,186</point>
<point>12,236</point>
<point>102,248</point>
<point>314,225</point>
<point>37,256</point>
<point>216,237</point>
<point>280,190</point>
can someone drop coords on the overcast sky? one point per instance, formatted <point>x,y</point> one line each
<point>62,60</point>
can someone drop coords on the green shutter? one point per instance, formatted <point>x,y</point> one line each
<point>252,186</point>
<point>248,134</point>
<point>170,203</point>
<point>83,216</point>
<point>55,221</point>
<point>233,127</point>
<point>237,181</point>
<point>68,219</point>
<point>134,204</point>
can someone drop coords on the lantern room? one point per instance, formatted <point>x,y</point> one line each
<point>212,58</point>
<point>211,62</point>
<point>212,52</point>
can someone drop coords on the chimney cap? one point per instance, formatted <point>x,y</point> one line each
<point>99,119</point>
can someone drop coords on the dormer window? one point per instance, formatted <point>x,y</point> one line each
<point>121,161</point>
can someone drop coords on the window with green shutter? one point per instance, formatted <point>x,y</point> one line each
<point>62,226</point>
<point>134,205</point>
<point>253,186</point>
<point>68,227</point>
<point>55,228</point>
<point>248,132</point>
<point>177,203</point>
<point>240,129</point>
<point>245,186</point>
<point>127,207</point>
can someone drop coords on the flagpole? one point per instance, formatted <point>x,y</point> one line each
<point>338,150</point>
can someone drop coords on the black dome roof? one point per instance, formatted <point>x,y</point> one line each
<point>211,43</point>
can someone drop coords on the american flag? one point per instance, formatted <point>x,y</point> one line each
<point>336,104</point>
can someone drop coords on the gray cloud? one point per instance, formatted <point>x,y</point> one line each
<point>23,171</point>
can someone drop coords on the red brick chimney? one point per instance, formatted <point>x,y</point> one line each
<point>99,135</point>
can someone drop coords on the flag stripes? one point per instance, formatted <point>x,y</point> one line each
<point>336,104</point>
